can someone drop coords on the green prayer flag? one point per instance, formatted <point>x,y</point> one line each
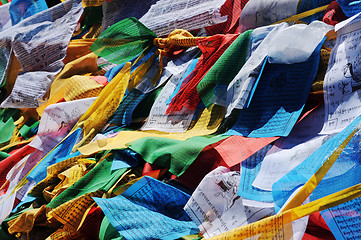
<point>3,155</point>
<point>123,41</point>
<point>26,130</point>
<point>7,118</point>
<point>226,67</point>
<point>6,130</point>
<point>99,178</point>
<point>175,155</point>
<point>107,231</point>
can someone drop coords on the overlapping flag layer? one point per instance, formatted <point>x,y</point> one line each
<point>180,119</point>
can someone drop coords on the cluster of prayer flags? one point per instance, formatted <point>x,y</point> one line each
<point>180,119</point>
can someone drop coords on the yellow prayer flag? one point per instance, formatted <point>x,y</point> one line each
<point>106,103</point>
<point>207,124</point>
